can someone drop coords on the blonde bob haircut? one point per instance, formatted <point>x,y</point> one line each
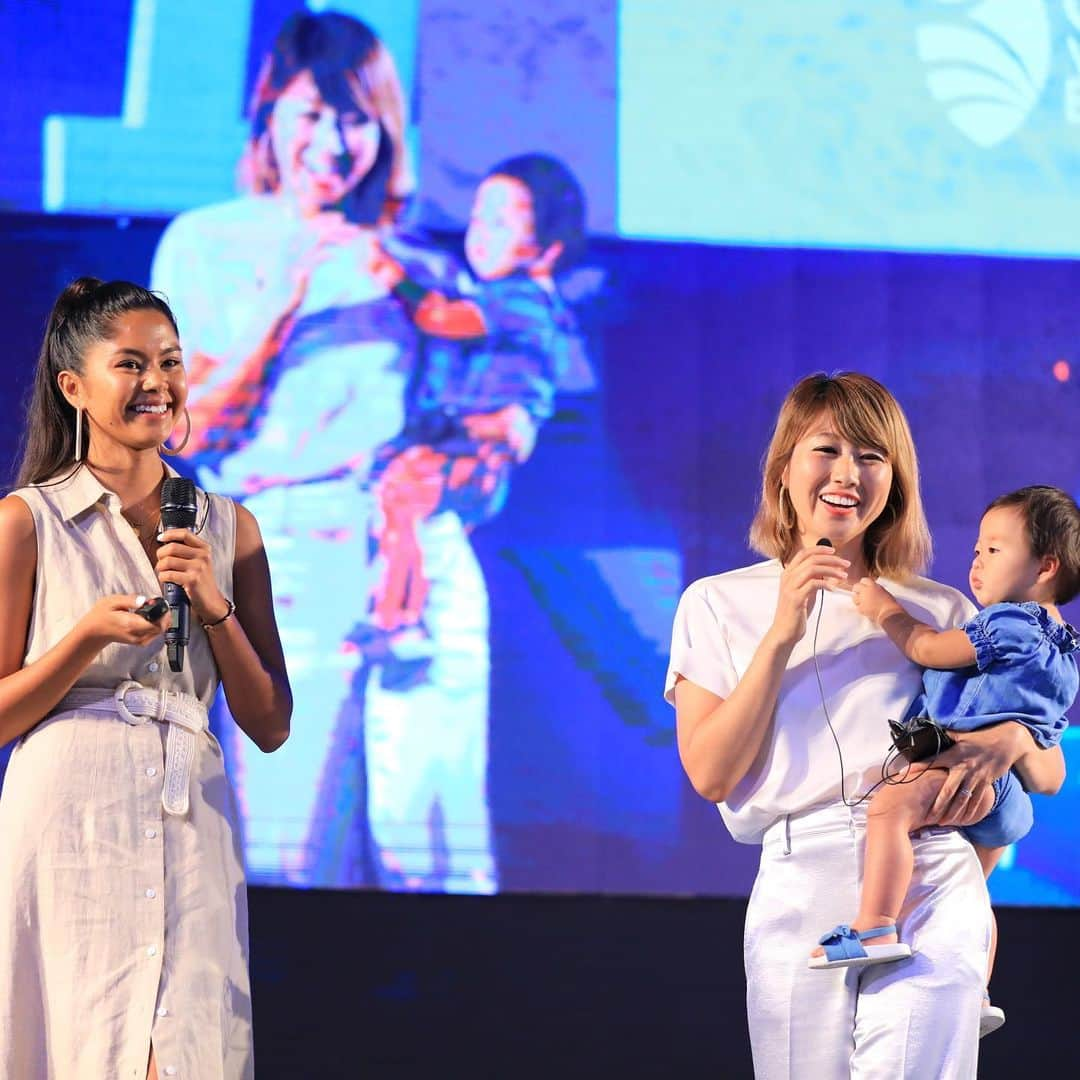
<point>334,48</point>
<point>897,544</point>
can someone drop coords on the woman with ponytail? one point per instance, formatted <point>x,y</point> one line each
<point>123,925</point>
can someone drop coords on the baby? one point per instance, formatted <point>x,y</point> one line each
<point>491,358</point>
<point>1015,660</point>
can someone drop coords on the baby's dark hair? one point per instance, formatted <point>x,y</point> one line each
<point>1052,519</point>
<point>558,202</point>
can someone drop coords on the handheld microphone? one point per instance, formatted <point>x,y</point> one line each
<point>178,511</point>
<point>824,542</point>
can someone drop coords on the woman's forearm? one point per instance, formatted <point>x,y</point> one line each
<point>720,739</point>
<point>259,699</point>
<point>228,405</point>
<point>1042,771</point>
<point>1008,741</point>
<point>723,745</point>
<point>32,692</point>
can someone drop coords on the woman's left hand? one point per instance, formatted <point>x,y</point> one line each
<point>979,757</point>
<point>186,560</point>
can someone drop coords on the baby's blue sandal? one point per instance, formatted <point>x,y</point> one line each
<point>844,948</point>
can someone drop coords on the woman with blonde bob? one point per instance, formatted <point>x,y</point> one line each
<point>782,691</point>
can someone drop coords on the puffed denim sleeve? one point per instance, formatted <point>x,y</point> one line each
<point>699,646</point>
<point>1003,634</point>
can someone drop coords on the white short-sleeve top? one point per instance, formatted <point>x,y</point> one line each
<point>336,389</point>
<point>718,625</point>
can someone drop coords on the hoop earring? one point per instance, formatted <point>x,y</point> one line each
<point>265,176</point>
<point>173,451</point>
<point>783,508</point>
<point>78,433</point>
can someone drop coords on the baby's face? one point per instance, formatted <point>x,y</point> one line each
<point>501,236</point>
<point>1004,568</point>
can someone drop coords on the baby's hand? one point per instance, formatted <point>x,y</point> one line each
<point>384,268</point>
<point>872,600</point>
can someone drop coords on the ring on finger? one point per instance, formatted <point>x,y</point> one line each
<point>966,792</point>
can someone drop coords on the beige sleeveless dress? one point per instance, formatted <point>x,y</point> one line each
<point>120,923</point>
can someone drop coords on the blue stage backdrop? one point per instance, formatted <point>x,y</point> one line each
<point>772,189</point>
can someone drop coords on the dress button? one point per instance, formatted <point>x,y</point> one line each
<point>170,1070</point>
<point>153,666</point>
<point>151,893</point>
<point>150,834</point>
<point>162,1011</point>
<point>151,771</point>
<point>152,951</point>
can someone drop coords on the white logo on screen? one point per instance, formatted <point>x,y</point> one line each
<point>988,64</point>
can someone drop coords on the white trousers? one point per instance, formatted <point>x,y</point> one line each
<point>916,1018</point>
<point>316,544</point>
<point>427,746</point>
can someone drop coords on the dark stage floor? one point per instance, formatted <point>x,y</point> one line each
<point>375,984</point>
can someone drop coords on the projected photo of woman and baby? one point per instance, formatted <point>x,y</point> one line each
<point>485,329</point>
<point>370,396</point>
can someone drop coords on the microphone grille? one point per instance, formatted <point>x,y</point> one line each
<point>825,542</point>
<point>178,506</point>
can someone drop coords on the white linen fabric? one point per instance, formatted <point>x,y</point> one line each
<point>121,923</point>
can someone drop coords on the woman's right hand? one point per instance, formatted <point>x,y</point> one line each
<point>283,284</point>
<point>805,575</point>
<point>283,278</point>
<point>113,619</point>
<point>220,407</point>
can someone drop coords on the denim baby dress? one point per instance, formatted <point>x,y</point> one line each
<point>1025,670</point>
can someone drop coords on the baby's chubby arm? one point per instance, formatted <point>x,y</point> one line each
<point>919,642</point>
<point>432,312</point>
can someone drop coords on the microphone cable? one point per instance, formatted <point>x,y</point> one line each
<point>887,777</point>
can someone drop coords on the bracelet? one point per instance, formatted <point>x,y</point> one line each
<point>217,622</point>
<point>410,293</point>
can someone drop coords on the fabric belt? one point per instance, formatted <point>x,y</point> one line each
<point>137,704</point>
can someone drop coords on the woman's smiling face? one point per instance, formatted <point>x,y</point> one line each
<point>323,149</point>
<point>838,488</point>
<point>133,385</point>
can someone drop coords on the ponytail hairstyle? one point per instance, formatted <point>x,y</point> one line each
<point>84,314</point>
